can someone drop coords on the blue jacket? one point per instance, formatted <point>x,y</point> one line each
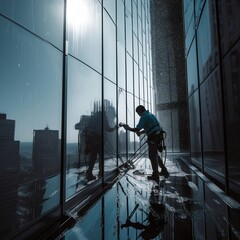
<point>148,122</point>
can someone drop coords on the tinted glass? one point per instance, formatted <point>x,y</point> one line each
<point>136,80</point>
<point>229,23</point>
<point>188,13</point>
<point>130,121</point>
<point>30,127</point>
<point>122,119</point>
<point>207,40</point>
<point>135,18</point>
<point>192,70</point>
<point>129,33</point>
<point>120,23</point>
<point>110,132</point>
<point>212,126</point>
<point>110,6</point>
<point>135,48</point>
<point>85,31</point>
<point>84,128</point>
<point>109,48</point>
<point>129,74</point>
<point>195,129</point>
<point>121,66</point>
<point>43,18</point>
<point>231,73</point>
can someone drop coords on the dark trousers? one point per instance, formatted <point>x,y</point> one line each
<point>154,142</point>
<point>94,144</point>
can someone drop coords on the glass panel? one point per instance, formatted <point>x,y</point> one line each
<point>136,80</point>
<point>84,148</point>
<point>128,4</point>
<point>198,8</point>
<point>230,23</point>
<point>109,48</point>
<point>195,128</point>
<point>189,35</point>
<point>231,78</point>
<point>30,127</point>
<point>140,30</point>
<point>140,56</point>
<point>207,41</point>
<point>135,18</point>
<point>141,85</point>
<point>129,74</point>
<point>121,132</point>
<point>110,6</point>
<point>110,132</point>
<point>188,13</point>
<point>85,31</point>
<point>192,69</point>
<point>121,67</point>
<point>121,23</point>
<point>135,48</point>
<point>212,127</point>
<point>43,18</point>
<point>129,33</point>
<point>84,229</point>
<point>130,122</point>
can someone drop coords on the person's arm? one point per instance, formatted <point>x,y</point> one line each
<point>126,127</point>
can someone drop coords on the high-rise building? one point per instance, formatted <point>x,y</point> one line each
<point>46,159</point>
<point>9,148</point>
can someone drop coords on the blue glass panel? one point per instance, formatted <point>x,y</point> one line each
<point>43,18</point>
<point>212,127</point>
<point>30,127</point>
<point>84,126</point>
<point>85,31</point>
<point>231,78</point>
<point>207,40</point>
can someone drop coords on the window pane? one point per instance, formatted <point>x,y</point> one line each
<point>110,133</point>
<point>195,128</point>
<point>109,36</point>
<point>43,18</point>
<point>129,74</point>
<point>85,31</point>
<point>121,67</point>
<point>122,118</point>
<point>192,70</point>
<point>30,127</point>
<point>110,6</point>
<point>212,127</point>
<point>84,148</point>
<point>207,41</point>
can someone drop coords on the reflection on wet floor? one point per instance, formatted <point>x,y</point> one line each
<point>183,206</point>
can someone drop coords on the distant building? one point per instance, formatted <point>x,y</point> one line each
<point>46,158</point>
<point>9,149</point>
<point>10,164</point>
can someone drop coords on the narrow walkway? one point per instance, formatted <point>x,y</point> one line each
<point>184,206</point>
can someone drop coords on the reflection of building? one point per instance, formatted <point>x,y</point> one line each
<point>46,159</point>
<point>9,160</point>
<point>9,149</point>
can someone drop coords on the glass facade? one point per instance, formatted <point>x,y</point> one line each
<point>70,71</point>
<point>212,55</point>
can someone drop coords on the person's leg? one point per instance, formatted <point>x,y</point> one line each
<point>92,160</point>
<point>164,171</point>
<point>153,156</point>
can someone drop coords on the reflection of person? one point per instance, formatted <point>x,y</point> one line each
<point>94,138</point>
<point>156,219</point>
<point>151,126</point>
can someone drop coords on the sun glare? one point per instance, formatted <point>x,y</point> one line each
<point>78,13</point>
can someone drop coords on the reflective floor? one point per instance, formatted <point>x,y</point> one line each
<point>184,206</point>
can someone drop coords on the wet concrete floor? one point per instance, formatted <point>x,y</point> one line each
<point>186,205</point>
